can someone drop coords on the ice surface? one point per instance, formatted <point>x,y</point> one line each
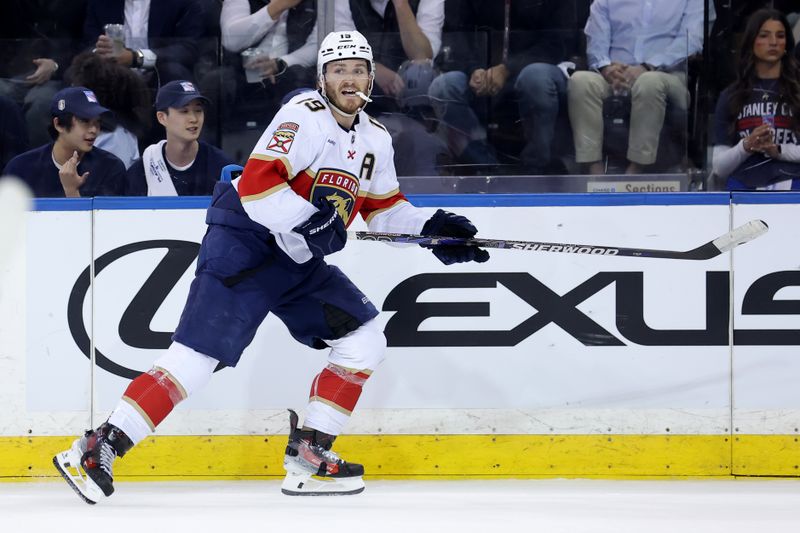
<point>558,505</point>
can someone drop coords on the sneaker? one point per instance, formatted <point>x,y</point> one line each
<point>87,465</point>
<point>312,469</point>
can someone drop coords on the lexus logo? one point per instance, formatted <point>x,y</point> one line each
<point>134,327</point>
<point>403,328</point>
<point>562,310</point>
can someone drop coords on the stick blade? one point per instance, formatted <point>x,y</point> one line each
<point>744,233</point>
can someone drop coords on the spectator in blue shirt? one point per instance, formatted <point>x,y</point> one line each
<point>637,48</point>
<point>181,164</point>
<point>70,166</point>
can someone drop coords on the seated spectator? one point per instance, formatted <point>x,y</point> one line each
<point>160,41</point>
<point>398,30</point>
<point>124,93</point>
<point>277,31</point>
<point>180,164</point>
<point>520,71</point>
<point>270,39</point>
<point>756,121</point>
<point>638,49</point>
<point>70,166</point>
<point>39,40</point>
<point>159,37</point>
<point>405,37</point>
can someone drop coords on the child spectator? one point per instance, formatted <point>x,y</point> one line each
<point>71,166</point>
<point>181,164</point>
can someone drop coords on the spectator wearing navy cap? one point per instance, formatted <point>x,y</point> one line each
<point>180,165</point>
<point>71,166</point>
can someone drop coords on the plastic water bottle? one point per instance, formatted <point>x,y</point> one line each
<point>769,120</point>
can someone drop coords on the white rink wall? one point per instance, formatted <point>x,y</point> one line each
<point>550,343</point>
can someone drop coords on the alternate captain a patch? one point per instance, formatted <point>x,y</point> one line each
<point>339,187</point>
<point>283,137</point>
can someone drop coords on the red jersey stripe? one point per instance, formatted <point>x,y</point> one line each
<point>302,184</point>
<point>373,206</point>
<point>262,175</point>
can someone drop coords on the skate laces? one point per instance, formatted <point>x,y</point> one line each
<point>107,456</point>
<point>101,456</point>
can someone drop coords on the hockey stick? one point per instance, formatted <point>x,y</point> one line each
<point>721,244</point>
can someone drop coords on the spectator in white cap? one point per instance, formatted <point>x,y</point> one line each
<point>71,166</point>
<point>181,164</point>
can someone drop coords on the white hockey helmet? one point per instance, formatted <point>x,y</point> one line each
<point>344,45</point>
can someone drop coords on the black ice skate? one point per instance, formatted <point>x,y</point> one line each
<point>87,465</point>
<point>312,469</point>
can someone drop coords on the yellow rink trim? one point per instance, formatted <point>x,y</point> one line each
<point>438,456</point>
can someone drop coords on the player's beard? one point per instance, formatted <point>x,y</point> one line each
<point>348,105</point>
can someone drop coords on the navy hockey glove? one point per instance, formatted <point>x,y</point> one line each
<point>324,231</point>
<point>445,224</point>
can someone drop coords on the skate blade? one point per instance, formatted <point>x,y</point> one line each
<point>304,484</point>
<point>68,465</point>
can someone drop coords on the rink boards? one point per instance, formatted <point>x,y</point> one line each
<point>533,364</point>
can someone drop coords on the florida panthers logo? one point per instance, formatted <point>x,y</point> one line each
<point>344,206</point>
<point>339,187</point>
<point>283,137</point>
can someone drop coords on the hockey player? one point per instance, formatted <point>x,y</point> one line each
<point>321,161</point>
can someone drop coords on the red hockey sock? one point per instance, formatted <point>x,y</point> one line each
<point>338,387</point>
<point>154,394</point>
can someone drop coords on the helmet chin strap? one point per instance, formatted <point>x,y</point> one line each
<point>339,110</point>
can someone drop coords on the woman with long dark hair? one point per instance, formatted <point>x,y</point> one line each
<point>121,90</point>
<point>756,125</point>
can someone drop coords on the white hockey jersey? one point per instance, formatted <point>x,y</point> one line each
<point>304,155</point>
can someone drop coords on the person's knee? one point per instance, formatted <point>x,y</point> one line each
<point>362,349</point>
<point>448,86</point>
<point>537,78</point>
<point>540,88</point>
<point>584,84</point>
<point>650,84</point>
<point>190,368</point>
